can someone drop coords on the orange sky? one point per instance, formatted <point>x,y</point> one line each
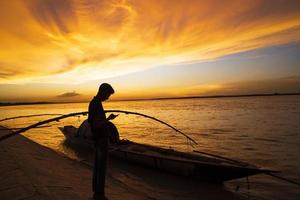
<point>76,41</point>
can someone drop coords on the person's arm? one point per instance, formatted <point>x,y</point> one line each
<point>99,122</point>
<point>112,116</point>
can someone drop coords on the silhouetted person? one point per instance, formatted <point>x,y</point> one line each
<point>100,129</point>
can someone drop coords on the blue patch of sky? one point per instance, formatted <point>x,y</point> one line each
<point>260,64</point>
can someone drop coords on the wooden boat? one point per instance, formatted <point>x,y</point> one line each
<point>198,166</point>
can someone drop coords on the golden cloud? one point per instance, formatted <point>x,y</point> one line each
<point>71,40</point>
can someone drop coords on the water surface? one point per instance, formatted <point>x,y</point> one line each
<point>261,130</point>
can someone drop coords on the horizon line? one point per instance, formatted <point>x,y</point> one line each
<point>158,98</point>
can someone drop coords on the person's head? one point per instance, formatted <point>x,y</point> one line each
<point>104,92</point>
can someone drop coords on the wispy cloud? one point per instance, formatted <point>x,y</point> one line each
<point>68,94</point>
<point>63,41</point>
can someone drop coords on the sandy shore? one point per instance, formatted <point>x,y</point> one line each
<point>31,171</point>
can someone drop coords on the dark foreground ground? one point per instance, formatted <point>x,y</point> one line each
<point>31,171</point>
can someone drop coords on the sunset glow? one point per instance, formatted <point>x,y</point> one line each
<point>61,43</point>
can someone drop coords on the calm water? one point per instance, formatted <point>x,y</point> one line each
<point>261,130</point>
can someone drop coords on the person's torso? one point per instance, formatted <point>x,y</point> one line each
<point>96,111</point>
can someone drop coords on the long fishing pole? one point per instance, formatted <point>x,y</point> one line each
<point>24,116</point>
<point>17,128</point>
<point>155,119</point>
<point>85,113</point>
<point>39,124</point>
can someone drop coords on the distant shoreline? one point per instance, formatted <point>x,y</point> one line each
<point>161,98</point>
<point>23,103</point>
<point>217,96</point>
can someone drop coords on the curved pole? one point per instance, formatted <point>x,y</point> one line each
<point>39,124</point>
<point>23,116</point>
<point>85,113</point>
<point>155,119</point>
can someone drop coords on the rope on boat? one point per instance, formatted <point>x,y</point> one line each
<point>232,161</point>
<point>248,186</point>
<point>85,113</point>
<point>282,178</point>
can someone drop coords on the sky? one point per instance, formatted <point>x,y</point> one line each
<point>53,50</point>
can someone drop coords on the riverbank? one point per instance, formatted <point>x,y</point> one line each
<point>31,171</point>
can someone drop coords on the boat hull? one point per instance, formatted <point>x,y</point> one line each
<point>191,165</point>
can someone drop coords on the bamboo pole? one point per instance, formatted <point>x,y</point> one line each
<point>24,116</point>
<point>85,113</point>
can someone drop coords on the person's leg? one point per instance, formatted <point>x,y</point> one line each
<point>100,168</point>
<point>96,170</point>
<point>103,164</point>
